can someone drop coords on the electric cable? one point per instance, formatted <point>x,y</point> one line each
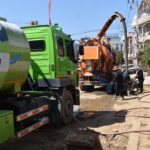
<point>140,98</point>
<point>129,13</point>
<point>111,133</point>
<point>95,30</point>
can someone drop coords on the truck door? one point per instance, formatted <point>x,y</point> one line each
<point>72,63</point>
<point>61,61</point>
<point>40,57</point>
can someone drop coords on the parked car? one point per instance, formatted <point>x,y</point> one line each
<point>131,68</point>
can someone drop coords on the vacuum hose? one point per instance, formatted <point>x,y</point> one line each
<point>107,25</point>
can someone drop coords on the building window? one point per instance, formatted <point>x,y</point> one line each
<point>145,29</point>
<point>140,30</point>
<point>148,27</point>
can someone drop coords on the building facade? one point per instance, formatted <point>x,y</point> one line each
<point>131,40</point>
<point>115,40</point>
<point>143,24</point>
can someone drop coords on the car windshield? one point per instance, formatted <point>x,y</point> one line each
<point>131,68</point>
<point>131,65</point>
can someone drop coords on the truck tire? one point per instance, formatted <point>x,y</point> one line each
<point>66,107</point>
<point>54,116</point>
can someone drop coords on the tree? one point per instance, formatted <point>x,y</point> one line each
<point>146,57</point>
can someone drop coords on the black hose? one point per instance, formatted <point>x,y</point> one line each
<point>100,133</point>
<point>107,25</point>
<point>139,99</point>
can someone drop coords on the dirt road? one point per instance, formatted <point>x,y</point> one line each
<point>102,113</point>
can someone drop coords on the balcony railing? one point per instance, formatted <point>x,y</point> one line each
<point>142,19</point>
<point>145,36</point>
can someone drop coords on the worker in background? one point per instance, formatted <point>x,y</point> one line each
<point>140,76</point>
<point>127,81</point>
<point>118,82</point>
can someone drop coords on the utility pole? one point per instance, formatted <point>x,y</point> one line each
<point>136,53</point>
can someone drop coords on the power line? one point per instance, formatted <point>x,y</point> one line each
<point>95,30</point>
<point>129,13</point>
<point>127,9</point>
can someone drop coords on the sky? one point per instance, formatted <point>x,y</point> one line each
<point>76,17</point>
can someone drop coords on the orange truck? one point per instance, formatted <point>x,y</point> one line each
<point>96,58</point>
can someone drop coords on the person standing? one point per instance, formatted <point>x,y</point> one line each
<point>118,83</point>
<point>127,82</point>
<point>140,76</point>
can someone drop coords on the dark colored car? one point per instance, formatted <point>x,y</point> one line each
<point>131,68</point>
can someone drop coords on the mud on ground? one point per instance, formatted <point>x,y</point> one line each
<point>102,113</point>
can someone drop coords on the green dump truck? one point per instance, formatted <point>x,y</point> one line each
<point>38,78</point>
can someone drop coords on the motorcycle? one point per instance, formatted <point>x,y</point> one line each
<point>134,87</point>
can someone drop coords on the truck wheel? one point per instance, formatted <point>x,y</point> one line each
<point>66,107</point>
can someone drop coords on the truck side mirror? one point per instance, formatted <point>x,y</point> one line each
<point>76,50</point>
<point>81,50</point>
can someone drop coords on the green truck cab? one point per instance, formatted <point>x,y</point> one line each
<point>52,56</point>
<point>53,64</point>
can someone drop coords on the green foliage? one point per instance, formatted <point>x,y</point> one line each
<point>141,52</point>
<point>145,55</point>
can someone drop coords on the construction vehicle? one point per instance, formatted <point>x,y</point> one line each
<point>38,78</point>
<point>97,60</point>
